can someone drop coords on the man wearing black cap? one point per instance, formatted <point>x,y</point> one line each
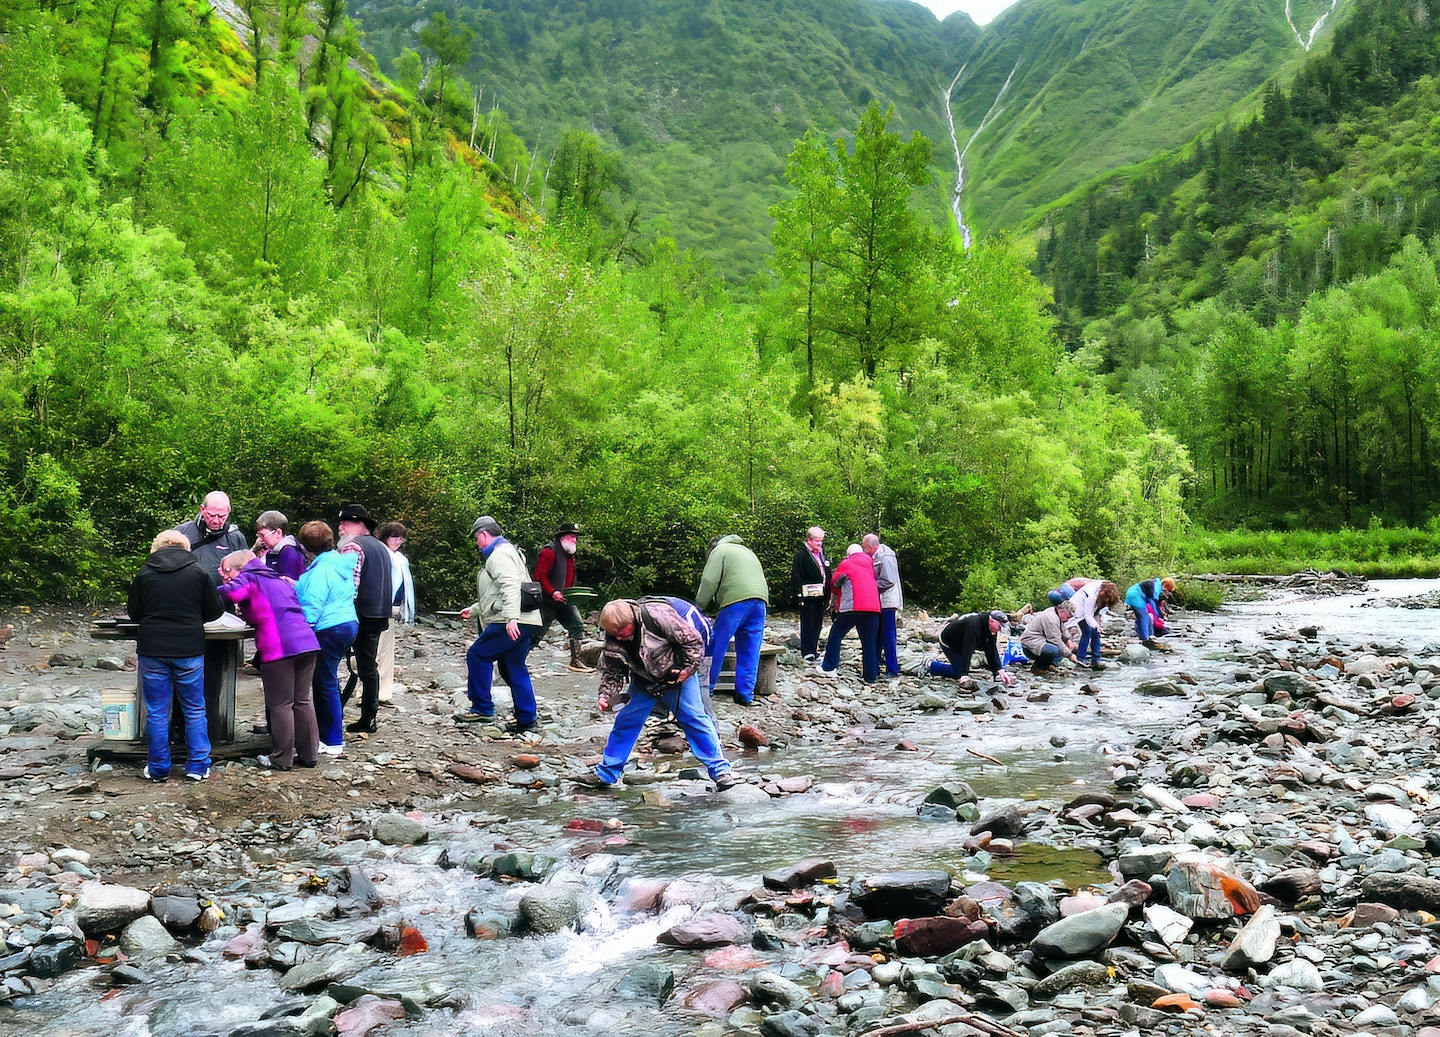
<point>959,640</point>
<point>555,572</point>
<point>373,595</point>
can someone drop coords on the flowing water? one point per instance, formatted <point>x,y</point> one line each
<point>1052,740</point>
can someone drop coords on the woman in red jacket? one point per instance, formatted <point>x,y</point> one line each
<point>857,607</point>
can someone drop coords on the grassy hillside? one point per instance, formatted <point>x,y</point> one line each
<point>703,98</point>
<point>1101,84</point>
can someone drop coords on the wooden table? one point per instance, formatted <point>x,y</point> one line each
<point>224,650</point>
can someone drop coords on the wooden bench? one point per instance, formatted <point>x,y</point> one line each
<point>764,674</point>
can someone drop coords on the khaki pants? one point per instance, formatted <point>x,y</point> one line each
<point>387,657</point>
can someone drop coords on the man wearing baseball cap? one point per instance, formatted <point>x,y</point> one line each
<point>505,628</point>
<point>959,640</point>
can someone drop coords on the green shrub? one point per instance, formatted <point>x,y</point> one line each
<point>1200,595</point>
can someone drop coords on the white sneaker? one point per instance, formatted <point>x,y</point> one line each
<point>148,776</point>
<point>331,750</point>
<point>198,777</point>
<point>264,761</point>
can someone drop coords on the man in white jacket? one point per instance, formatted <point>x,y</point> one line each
<point>887,578</point>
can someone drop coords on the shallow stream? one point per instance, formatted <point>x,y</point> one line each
<point>1052,740</point>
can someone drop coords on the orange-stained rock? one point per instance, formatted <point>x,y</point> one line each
<point>411,942</point>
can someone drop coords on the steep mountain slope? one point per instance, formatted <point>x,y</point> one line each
<point>1098,84</point>
<point>704,97</point>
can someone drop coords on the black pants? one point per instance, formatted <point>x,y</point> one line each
<point>812,618</point>
<point>367,663</point>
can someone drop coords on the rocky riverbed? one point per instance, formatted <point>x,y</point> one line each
<point>1232,835</point>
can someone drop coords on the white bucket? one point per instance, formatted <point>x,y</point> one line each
<point>120,710</point>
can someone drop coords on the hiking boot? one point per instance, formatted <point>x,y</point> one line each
<point>725,781</point>
<point>362,726</point>
<point>1097,666</point>
<point>594,781</point>
<point>515,727</point>
<point>474,718</point>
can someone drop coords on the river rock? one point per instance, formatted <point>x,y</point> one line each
<point>1081,934</point>
<point>303,907</point>
<point>1144,861</point>
<point>717,999</point>
<point>790,1024</point>
<point>1156,688</point>
<point>102,908</point>
<point>65,659</point>
<point>1005,823</point>
<point>549,909</point>
<point>315,931</point>
<point>1298,974</point>
<point>1031,907</point>
<point>952,794</point>
<point>1255,943</point>
<point>797,876</point>
<point>1403,890</point>
<point>1080,974</point>
<point>1203,886</point>
<point>1180,979</point>
<point>52,959</point>
<point>713,930</point>
<point>147,938</point>
<point>901,894</point>
<point>31,901</point>
<point>318,971</point>
<point>1392,819</point>
<point>1366,915</point>
<point>770,989</point>
<point>176,913</point>
<point>399,830</point>
<point>1376,1015</point>
<point>1134,655</point>
<point>649,982</point>
<point>1171,926</point>
<point>934,936</point>
<point>528,867</point>
<point>367,1013</point>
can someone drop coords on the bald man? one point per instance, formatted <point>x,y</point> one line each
<point>212,535</point>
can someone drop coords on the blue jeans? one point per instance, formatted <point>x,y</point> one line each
<point>868,625</point>
<point>885,647</point>
<point>491,649</point>
<point>689,710</point>
<point>325,685</point>
<point>1049,655</point>
<point>1089,640</point>
<point>184,679</point>
<point>745,622</point>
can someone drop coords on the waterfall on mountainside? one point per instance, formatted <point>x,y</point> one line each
<point>1309,39</point>
<point>990,116</point>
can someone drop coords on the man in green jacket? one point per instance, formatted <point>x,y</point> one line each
<point>734,584</point>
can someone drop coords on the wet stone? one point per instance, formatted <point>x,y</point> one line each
<point>398,830</point>
<point>1081,934</point>
<point>528,867</point>
<point>901,894</point>
<point>649,982</point>
<point>790,1024</point>
<point>713,930</point>
<point>146,938</point>
<point>102,908</point>
<point>176,913</point>
<point>797,876</point>
<point>951,794</point>
<point>1403,890</point>
<point>53,959</point>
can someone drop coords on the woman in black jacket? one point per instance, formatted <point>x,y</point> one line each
<point>172,599</point>
<point>809,586</point>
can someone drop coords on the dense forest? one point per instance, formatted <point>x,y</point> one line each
<point>1269,292</point>
<point>225,267</point>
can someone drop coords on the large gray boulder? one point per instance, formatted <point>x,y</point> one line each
<point>901,894</point>
<point>549,909</point>
<point>1081,935</point>
<point>146,938</point>
<point>102,908</point>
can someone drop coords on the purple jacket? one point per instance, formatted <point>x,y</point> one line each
<point>288,559</point>
<point>269,604</point>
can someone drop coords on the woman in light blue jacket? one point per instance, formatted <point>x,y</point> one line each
<point>327,594</point>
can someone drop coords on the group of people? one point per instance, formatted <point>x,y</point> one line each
<point>1069,628</point>
<point>312,598</point>
<point>315,597</point>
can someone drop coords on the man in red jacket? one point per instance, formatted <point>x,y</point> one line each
<point>555,572</point>
<point>857,606</point>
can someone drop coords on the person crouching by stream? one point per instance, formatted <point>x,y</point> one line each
<point>172,599</point>
<point>288,650</point>
<point>1088,602</point>
<point>960,639</point>
<point>1044,642</point>
<point>650,648</point>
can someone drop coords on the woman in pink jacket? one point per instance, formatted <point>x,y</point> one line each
<point>857,607</point>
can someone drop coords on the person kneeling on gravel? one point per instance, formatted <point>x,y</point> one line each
<point>650,648</point>
<point>1043,641</point>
